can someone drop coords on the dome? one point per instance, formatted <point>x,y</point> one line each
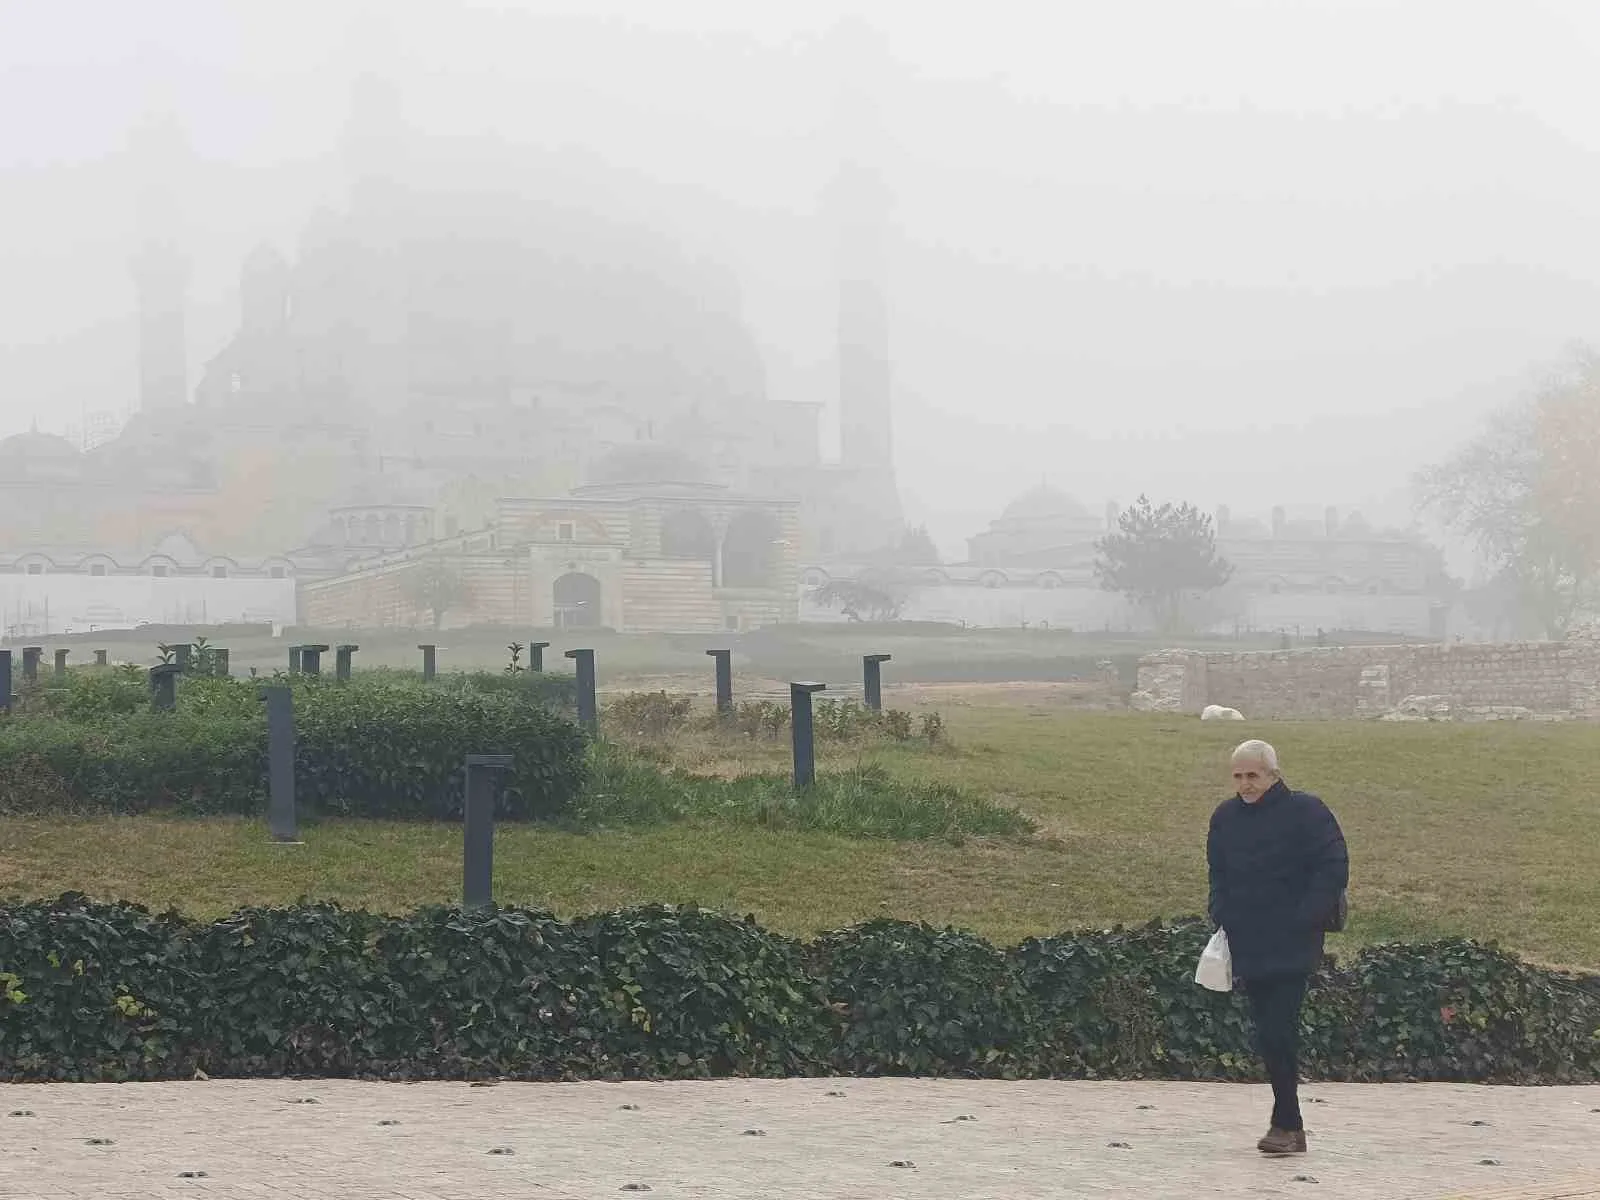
<point>35,446</point>
<point>1044,503</point>
<point>647,464</point>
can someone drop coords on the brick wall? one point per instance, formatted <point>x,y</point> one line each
<point>1547,678</point>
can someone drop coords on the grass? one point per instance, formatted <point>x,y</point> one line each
<point>1480,830</point>
<point>628,789</point>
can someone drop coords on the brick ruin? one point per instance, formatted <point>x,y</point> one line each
<point>1510,681</point>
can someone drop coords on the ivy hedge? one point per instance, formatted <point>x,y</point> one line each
<point>388,746</point>
<point>92,991</point>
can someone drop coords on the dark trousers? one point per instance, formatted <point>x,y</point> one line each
<point>1275,1008</point>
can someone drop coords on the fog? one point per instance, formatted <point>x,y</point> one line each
<point>1235,253</point>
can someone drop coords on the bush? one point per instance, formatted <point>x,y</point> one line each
<point>922,1001</point>
<point>389,747</point>
<point>623,788</point>
<point>699,993</point>
<point>108,991</point>
<point>96,992</point>
<point>649,714</point>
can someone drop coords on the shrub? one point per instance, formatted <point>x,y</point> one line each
<point>624,788</point>
<point>649,714</point>
<point>95,992</point>
<point>107,991</point>
<point>492,992</point>
<point>385,747</point>
<point>846,721</point>
<point>699,993</point>
<point>292,991</point>
<point>398,750</point>
<point>922,1001</point>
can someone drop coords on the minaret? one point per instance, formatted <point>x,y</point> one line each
<point>861,210</point>
<point>160,267</point>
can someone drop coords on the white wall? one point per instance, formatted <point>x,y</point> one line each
<point>1076,608</point>
<point>41,605</point>
<point>1088,609</point>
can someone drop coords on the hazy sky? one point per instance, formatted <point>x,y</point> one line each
<point>1244,253</point>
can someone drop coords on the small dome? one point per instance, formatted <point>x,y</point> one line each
<point>35,447</point>
<point>1044,503</point>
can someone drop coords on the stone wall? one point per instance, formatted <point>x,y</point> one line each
<point>1528,679</point>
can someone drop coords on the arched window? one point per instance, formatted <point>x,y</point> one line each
<point>750,550</point>
<point>685,533</point>
<point>577,601</point>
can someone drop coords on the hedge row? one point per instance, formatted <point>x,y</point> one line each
<point>109,992</point>
<point>389,746</point>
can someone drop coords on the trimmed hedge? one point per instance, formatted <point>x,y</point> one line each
<point>93,991</point>
<point>386,747</point>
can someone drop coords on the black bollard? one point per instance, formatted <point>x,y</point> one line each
<point>5,681</point>
<point>341,662</point>
<point>588,705</point>
<point>477,848</point>
<point>30,662</point>
<point>164,686</point>
<point>61,665</point>
<point>311,659</point>
<point>429,662</point>
<point>99,658</point>
<point>872,679</point>
<point>724,661</point>
<point>805,741</point>
<point>536,655</point>
<point>294,660</point>
<point>283,823</point>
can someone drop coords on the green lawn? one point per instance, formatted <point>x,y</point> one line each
<point>1484,830</point>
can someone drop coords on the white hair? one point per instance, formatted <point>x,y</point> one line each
<point>1257,751</point>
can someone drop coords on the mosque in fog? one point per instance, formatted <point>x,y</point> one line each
<point>563,414</point>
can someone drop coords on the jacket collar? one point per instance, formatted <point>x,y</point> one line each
<point>1277,791</point>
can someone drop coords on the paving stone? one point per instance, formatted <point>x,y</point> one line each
<point>1029,1139</point>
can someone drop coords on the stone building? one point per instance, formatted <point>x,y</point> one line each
<point>1034,565</point>
<point>653,554</point>
<point>444,355</point>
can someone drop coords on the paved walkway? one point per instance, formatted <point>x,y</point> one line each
<point>792,1138</point>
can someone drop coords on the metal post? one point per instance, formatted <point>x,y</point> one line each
<point>221,662</point>
<point>164,686</point>
<point>5,681</point>
<point>294,660</point>
<point>282,820</point>
<point>61,665</point>
<point>428,661</point>
<point>536,655</point>
<point>588,707</point>
<point>311,659</point>
<point>181,655</point>
<point>805,742</point>
<point>724,661</point>
<point>872,679</point>
<point>30,662</point>
<point>477,850</point>
<point>99,658</point>
<point>341,662</point>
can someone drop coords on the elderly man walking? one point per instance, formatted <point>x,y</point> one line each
<point>1279,869</point>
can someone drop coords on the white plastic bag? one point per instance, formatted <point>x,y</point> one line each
<point>1215,970</point>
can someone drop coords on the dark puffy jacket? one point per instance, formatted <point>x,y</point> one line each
<point>1277,868</point>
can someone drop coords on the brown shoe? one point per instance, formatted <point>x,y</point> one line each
<point>1283,1141</point>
